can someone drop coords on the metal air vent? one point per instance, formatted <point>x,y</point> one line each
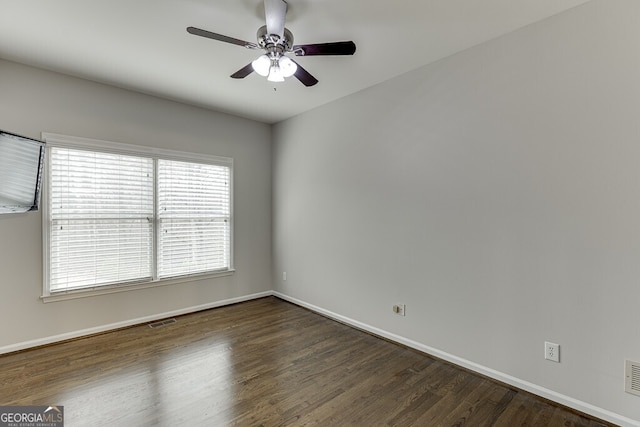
<point>632,377</point>
<point>162,323</point>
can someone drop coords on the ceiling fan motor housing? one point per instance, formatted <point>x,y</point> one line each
<point>273,43</point>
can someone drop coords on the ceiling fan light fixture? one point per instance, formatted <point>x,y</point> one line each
<point>277,41</point>
<point>287,66</point>
<point>262,65</point>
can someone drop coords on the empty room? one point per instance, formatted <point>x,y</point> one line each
<point>268,212</point>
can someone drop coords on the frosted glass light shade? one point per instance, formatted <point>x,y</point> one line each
<point>262,65</point>
<point>275,74</point>
<point>287,66</point>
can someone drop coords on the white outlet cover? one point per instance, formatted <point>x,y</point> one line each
<point>552,351</point>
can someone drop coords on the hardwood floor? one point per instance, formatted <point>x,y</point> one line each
<point>261,363</point>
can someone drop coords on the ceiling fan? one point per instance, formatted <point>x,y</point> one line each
<point>277,41</point>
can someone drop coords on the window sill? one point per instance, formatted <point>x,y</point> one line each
<point>104,290</point>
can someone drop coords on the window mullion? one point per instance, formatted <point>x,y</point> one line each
<point>155,219</point>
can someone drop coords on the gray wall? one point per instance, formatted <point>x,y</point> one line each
<point>495,192</point>
<point>34,101</point>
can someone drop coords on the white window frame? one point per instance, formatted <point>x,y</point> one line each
<point>73,142</point>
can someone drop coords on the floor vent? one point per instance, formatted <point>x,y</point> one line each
<point>162,323</point>
<point>632,377</point>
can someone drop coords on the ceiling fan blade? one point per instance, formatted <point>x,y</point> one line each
<point>243,72</point>
<point>304,76</point>
<point>275,12</point>
<point>215,36</point>
<point>335,48</point>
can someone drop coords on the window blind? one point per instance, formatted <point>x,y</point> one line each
<point>19,173</point>
<point>194,208</point>
<point>101,219</point>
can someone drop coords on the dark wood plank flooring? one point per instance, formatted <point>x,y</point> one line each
<point>261,363</point>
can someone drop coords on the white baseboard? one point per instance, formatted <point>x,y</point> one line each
<point>491,373</point>
<point>104,328</point>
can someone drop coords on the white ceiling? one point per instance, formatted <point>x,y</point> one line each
<point>143,44</point>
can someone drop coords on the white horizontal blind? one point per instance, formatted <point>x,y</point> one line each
<point>194,208</point>
<point>101,219</point>
<point>19,173</point>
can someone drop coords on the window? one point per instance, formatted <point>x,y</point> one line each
<point>127,216</point>
<point>193,216</point>
<point>100,210</point>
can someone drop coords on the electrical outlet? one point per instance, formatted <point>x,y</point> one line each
<point>284,276</point>
<point>399,309</point>
<point>552,351</point>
